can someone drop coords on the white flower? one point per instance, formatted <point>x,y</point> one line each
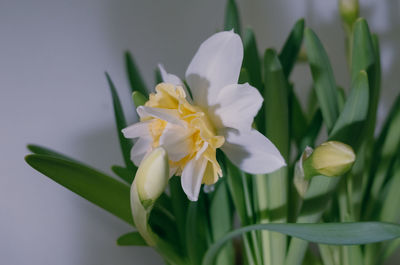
<point>219,115</point>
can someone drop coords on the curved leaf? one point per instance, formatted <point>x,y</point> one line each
<point>98,188</point>
<point>356,233</point>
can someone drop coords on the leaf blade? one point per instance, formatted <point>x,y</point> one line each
<point>96,187</point>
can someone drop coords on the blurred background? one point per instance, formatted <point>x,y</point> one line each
<point>53,92</point>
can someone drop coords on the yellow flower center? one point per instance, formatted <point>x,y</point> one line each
<point>203,137</point>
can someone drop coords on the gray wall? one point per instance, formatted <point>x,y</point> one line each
<point>53,92</point>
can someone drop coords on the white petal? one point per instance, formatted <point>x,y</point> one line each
<point>140,149</point>
<point>237,106</point>
<point>167,115</point>
<point>177,141</point>
<point>216,64</point>
<point>173,79</point>
<point>192,175</point>
<point>138,129</point>
<point>252,152</point>
<point>169,78</point>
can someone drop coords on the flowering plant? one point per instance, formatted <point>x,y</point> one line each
<point>235,124</point>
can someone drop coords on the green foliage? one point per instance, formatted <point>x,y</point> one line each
<point>269,208</point>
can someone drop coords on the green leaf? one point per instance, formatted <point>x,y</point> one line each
<point>221,220</point>
<point>125,144</point>
<point>324,81</point>
<point>297,118</point>
<point>232,20</point>
<point>251,60</point>
<point>40,150</point>
<point>354,113</point>
<point>291,48</point>
<point>276,103</point>
<point>135,79</point>
<point>277,130</point>
<point>197,233</point>
<point>179,204</point>
<point>124,173</point>
<point>312,131</point>
<point>356,233</point>
<point>96,187</point>
<point>365,56</point>
<point>138,99</point>
<point>131,239</point>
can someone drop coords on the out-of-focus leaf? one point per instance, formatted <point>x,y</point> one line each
<point>179,205</point>
<point>251,60</point>
<point>312,131</point>
<point>324,81</point>
<point>365,56</point>
<point>356,233</point>
<point>124,173</point>
<point>297,118</point>
<point>134,76</point>
<point>125,144</point>
<point>354,113</point>
<point>94,186</point>
<point>232,19</point>
<point>131,239</point>
<point>221,221</point>
<point>291,48</point>
<point>197,232</point>
<point>276,103</point>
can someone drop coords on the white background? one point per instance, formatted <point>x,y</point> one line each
<point>53,92</point>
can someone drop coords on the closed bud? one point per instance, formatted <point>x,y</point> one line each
<point>349,11</point>
<point>330,159</point>
<point>152,176</point>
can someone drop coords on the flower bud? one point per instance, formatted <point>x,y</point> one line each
<point>330,159</point>
<point>349,11</point>
<point>152,176</point>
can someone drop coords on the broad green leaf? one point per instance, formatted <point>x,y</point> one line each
<point>251,60</point>
<point>365,56</point>
<point>135,79</point>
<point>124,173</point>
<point>221,220</point>
<point>356,233</point>
<point>131,239</point>
<point>94,186</point>
<point>354,113</point>
<point>277,130</point>
<point>125,144</point>
<point>291,48</point>
<point>138,99</point>
<point>232,19</point>
<point>324,81</point>
<point>276,103</point>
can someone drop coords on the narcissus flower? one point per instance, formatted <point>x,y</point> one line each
<point>218,114</point>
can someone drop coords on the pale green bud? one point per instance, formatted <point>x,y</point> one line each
<point>152,176</point>
<point>330,159</point>
<point>349,11</point>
